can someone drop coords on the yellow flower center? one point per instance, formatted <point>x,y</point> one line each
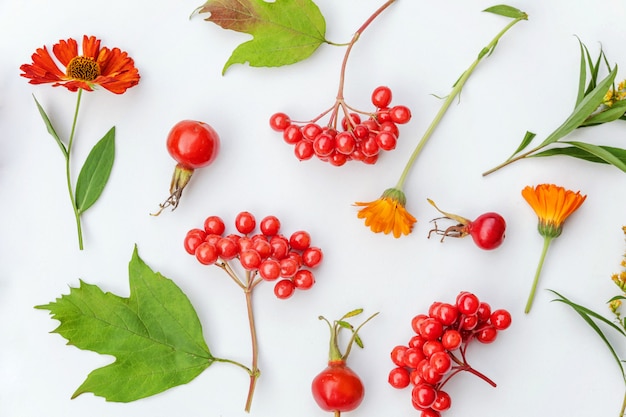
<point>83,68</point>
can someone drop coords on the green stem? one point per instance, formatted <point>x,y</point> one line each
<point>621,413</point>
<point>68,173</point>
<point>513,159</point>
<point>458,86</point>
<point>546,244</point>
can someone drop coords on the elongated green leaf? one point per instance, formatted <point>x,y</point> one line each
<point>345,324</point>
<point>612,113</point>
<point>582,78</point>
<point>584,109</point>
<point>613,156</point>
<point>528,137</point>
<point>352,313</point>
<point>617,297</point>
<point>506,11</point>
<point>582,154</point>
<point>95,172</point>
<point>587,315</point>
<point>155,335</point>
<point>50,128</point>
<point>284,31</point>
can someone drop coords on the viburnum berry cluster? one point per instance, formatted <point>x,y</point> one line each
<point>437,351</point>
<point>347,134</point>
<point>251,257</point>
<point>359,136</point>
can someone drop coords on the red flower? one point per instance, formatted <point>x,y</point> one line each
<point>111,69</point>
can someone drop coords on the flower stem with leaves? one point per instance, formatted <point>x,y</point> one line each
<point>597,102</point>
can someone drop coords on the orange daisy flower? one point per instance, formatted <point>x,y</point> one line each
<point>387,214</point>
<point>111,69</point>
<point>553,205</point>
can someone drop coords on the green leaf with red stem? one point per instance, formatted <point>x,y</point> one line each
<point>284,31</point>
<point>155,335</point>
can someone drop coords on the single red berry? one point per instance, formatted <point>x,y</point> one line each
<point>345,143</point>
<point>279,121</point>
<point>346,124</point>
<point>245,222</point>
<point>262,246</point>
<point>451,339</point>
<point>194,238</point>
<point>288,267</point>
<point>312,256</point>
<point>292,134</point>
<point>214,225</point>
<point>227,248</point>
<point>412,357</point>
<point>381,96</point>
<point>337,388</point>
<point>269,269</point>
<point>250,259</point>
<point>443,401</point>
<point>303,279</point>
<point>269,225</point>
<point>430,347</point>
<point>284,289</point>
<point>304,150</point>
<point>430,329</point>
<point>397,354</point>
<point>300,240</point>
<point>280,246</point>
<point>386,141</point>
<point>467,303</point>
<point>206,253</point>
<point>400,114</point>
<point>486,334</point>
<point>500,319</point>
<point>311,130</point>
<point>399,378</point>
<point>323,144</point>
<point>484,312</point>
<point>488,230</point>
<point>424,395</point>
<point>441,362</point>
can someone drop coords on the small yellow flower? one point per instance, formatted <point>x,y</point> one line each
<point>387,214</point>
<point>553,205</point>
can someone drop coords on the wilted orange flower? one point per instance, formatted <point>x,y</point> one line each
<point>387,214</point>
<point>112,69</point>
<point>552,204</point>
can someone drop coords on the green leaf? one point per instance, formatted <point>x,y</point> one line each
<point>583,154</point>
<point>284,31</point>
<point>583,110</point>
<point>50,128</point>
<point>588,316</point>
<point>352,313</point>
<point>582,78</point>
<point>506,11</point>
<point>95,172</point>
<point>528,137</point>
<point>613,156</point>
<point>345,324</point>
<point>612,113</point>
<point>155,335</point>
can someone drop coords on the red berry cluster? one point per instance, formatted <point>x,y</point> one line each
<point>437,351</point>
<point>361,136</point>
<point>270,254</point>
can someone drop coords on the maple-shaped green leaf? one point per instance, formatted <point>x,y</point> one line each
<point>155,335</point>
<point>284,31</point>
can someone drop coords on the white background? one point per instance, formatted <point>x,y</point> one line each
<point>549,363</point>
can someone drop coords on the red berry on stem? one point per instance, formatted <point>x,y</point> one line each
<point>397,355</point>
<point>214,225</point>
<point>381,96</point>
<point>206,253</point>
<point>304,150</point>
<point>250,259</point>
<point>400,114</point>
<point>399,378</point>
<point>337,388</point>
<point>269,269</point>
<point>303,279</point>
<point>269,225</point>
<point>300,240</point>
<point>292,134</point>
<point>245,222</point>
<point>284,289</point>
<point>279,121</point>
<point>500,319</point>
<point>488,230</point>
<point>312,256</point>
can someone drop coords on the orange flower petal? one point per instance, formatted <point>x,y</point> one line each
<point>552,204</point>
<point>65,51</point>
<point>386,215</point>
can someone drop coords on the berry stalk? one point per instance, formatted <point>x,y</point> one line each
<point>458,86</point>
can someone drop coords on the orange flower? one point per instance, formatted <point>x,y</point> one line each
<point>387,214</point>
<point>111,69</point>
<point>552,204</point>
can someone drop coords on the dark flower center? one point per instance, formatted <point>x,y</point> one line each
<point>83,68</point>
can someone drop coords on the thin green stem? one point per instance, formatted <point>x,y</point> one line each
<point>513,159</point>
<point>623,410</point>
<point>242,366</point>
<point>458,86</point>
<point>546,244</point>
<point>68,171</point>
